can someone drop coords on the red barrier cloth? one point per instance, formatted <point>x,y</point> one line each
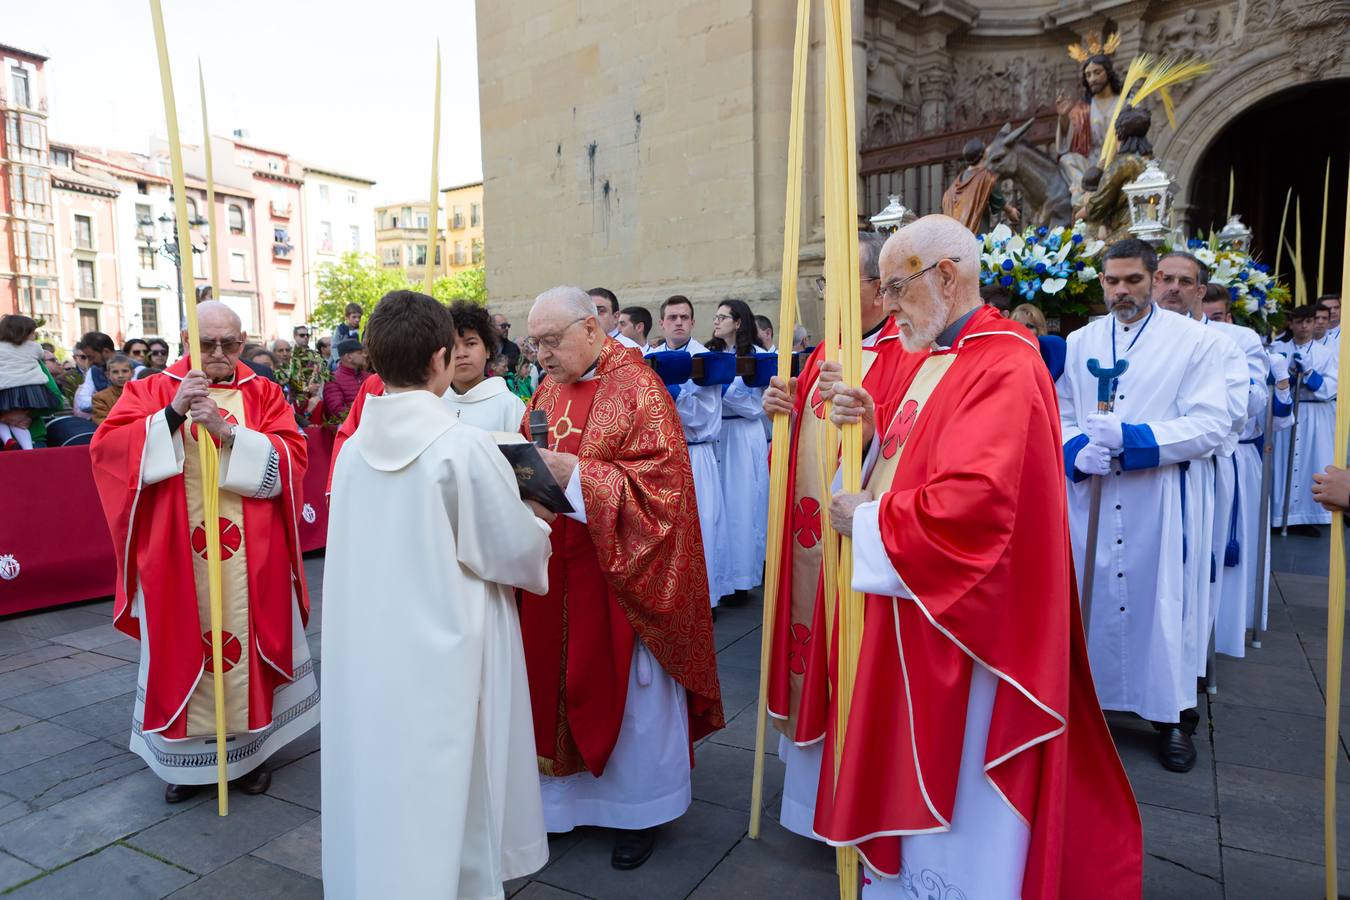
<point>54,542</point>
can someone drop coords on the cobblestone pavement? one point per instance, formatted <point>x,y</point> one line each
<point>80,816</point>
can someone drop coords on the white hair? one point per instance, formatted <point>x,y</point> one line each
<point>570,301</point>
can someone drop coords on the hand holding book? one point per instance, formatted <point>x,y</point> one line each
<point>535,473</point>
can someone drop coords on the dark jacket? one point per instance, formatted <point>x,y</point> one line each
<point>340,393</point>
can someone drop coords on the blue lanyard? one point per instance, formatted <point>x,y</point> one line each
<point>1149,318</point>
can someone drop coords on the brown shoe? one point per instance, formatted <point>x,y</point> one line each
<point>255,782</point>
<point>177,793</point>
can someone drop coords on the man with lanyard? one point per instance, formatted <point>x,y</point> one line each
<point>1170,407</point>
<point>1314,434</point>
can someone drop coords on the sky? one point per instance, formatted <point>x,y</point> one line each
<point>342,84</point>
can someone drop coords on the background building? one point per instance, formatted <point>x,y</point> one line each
<point>338,216</point>
<point>656,164</point>
<point>84,208</point>
<point>28,272</point>
<point>463,237</point>
<point>401,237</point>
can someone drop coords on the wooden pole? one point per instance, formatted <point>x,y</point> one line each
<point>207,454</point>
<point>778,465</point>
<point>432,231</point>
<point>1336,598</point>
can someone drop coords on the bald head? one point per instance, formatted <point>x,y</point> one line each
<point>218,315</point>
<point>930,270</point>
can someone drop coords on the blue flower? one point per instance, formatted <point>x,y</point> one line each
<point>1242,275</point>
<point>1007,265</point>
<point>1041,268</point>
<point>1078,239</point>
<point>1006,281</point>
<point>1078,263</point>
<point>1042,231</point>
<point>1193,243</point>
<point>1233,294</point>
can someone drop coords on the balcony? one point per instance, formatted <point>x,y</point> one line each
<point>280,209</point>
<point>282,251</point>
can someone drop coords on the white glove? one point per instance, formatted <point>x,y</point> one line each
<point>1104,429</point>
<point>1279,367</point>
<point>1093,459</point>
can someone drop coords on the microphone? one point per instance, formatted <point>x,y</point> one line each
<point>539,428</point>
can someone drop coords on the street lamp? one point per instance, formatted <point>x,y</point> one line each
<point>169,250</point>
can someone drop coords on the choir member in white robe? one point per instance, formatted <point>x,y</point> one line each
<point>700,409</point>
<point>1314,432</point>
<point>475,399</point>
<point>428,769</point>
<point>743,462</point>
<point>1180,286</point>
<point>1171,409</point>
<point>607,314</point>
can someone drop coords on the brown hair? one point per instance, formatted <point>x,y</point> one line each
<point>404,332</point>
<point>17,329</point>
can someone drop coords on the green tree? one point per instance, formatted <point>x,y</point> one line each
<point>470,284</point>
<point>358,279</point>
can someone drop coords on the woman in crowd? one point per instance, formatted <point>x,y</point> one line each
<point>743,463</point>
<point>138,351</point>
<point>1032,317</point>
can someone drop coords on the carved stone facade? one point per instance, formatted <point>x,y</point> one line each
<point>695,184</point>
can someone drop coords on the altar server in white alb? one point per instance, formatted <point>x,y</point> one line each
<point>607,314</point>
<point>1315,431</point>
<point>1171,408</point>
<point>474,398</point>
<point>700,409</point>
<point>429,785</point>
<point>1179,286</point>
<point>743,457</point>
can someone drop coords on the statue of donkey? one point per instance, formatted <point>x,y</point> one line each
<point>1036,175</point>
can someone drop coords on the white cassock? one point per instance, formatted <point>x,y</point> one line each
<point>743,460</point>
<point>646,781</point>
<point>1237,502</point>
<point>626,340</point>
<point>1174,404</point>
<point>1314,442</point>
<point>488,405</point>
<point>700,410</point>
<point>428,769</point>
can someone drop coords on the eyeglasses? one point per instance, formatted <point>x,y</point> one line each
<point>820,283</point>
<point>896,289</point>
<point>722,317</point>
<point>137,353</point>
<point>80,356</point>
<point>227,347</point>
<point>159,351</point>
<point>550,341</point>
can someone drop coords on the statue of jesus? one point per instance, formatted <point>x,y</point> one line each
<point>1083,123</point>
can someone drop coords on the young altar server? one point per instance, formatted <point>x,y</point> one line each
<point>429,785</point>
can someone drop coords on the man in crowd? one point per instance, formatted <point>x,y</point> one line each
<point>508,348</point>
<point>635,323</point>
<point>348,329</point>
<point>1322,324</point>
<point>1217,304</point>
<point>700,409</point>
<point>622,668</point>
<point>798,647</point>
<point>98,348</point>
<point>281,352</point>
<point>973,678</point>
<point>764,334</point>
<point>1315,367</point>
<point>1333,304</point>
<point>149,478</point>
<point>1170,413</point>
<point>341,391</point>
<point>607,314</point>
<point>800,338</point>
<point>300,335</point>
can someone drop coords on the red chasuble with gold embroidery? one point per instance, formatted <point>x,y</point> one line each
<point>634,569</point>
<point>798,632</point>
<point>159,540</point>
<point>973,520</point>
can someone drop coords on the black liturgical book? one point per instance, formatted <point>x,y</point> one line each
<point>536,482</point>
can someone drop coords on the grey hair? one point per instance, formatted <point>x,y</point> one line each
<point>869,253</point>
<point>799,333</point>
<point>570,300</point>
<point>1200,267</point>
<point>272,344</point>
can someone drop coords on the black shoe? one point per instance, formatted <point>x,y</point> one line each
<point>177,793</point>
<point>1176,750</point>
<point>737,598</point>
<point>255,782</point>
<point>1306,530</point>
<point>631,848</point>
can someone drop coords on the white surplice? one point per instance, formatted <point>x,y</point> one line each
<point>1174,402</point>
<point>1314,443</point>
<point>488,405</point>
<point>429,785</point>
<point>744,467</point>
<point>700,410</point>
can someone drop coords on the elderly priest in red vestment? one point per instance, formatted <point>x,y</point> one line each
<point>976,761</point>
<point>149,479</point>
<point>620,656</point>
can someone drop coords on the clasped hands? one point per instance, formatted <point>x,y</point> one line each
<point>193,401</point>
<point>1105,436</point>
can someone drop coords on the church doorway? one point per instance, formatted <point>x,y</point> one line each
<point>1281,142</point>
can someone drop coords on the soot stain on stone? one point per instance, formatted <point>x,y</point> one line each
<point>590,160</point>
<point>637,125</point>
